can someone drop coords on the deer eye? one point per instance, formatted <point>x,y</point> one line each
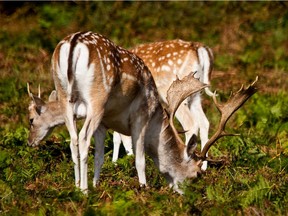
<point>31,121</point>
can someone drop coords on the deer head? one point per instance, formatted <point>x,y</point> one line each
<point>39,116</point>
<point>189,85</point>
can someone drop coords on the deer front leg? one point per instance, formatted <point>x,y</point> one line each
<point>99,138</point>
<point>71,126</point>
<point>138,134</point>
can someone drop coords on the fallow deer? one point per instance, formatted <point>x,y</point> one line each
<point>114,89</point>
<point>168,60</point>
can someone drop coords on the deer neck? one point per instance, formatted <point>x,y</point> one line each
<point>55,113</point>
<point>162,144</point>
<point>168,151</point>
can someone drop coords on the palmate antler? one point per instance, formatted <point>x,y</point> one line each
<point>179,91</point>
<point>226,110</point>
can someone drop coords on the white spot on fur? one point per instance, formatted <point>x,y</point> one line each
<point>165,68</point>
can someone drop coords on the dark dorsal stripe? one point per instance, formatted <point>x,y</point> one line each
<point>73,43</point>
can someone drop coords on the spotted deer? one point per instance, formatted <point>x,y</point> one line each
<point>168,60</point>
<point>112,88</point>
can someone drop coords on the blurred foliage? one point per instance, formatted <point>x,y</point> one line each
<point>247,38</point>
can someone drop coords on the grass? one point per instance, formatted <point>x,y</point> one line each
<point>248,39</point>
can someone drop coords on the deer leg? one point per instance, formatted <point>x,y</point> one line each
<point>91,123</point>
<point>200,117</point>
<point>138,133</point>
<point>71,126</point>
<point>99,138</point>
<point>116,146</point>
<point>127,142</point>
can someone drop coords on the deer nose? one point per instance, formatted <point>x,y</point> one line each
<point>31,142</point>
<point>200,173</point>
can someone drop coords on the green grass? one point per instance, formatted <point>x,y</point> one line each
<point>248,39</point>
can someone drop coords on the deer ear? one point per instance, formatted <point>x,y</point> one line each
<point>40,105</point>
<point>38,101</point>
<point>40,109</point>
<point>191,146</point>
<point>53,96</point>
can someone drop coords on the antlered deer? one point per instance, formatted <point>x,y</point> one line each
<point>114,89</point>
<point>168,60</point>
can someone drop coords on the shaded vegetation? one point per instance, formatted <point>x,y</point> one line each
<point>248,39</point>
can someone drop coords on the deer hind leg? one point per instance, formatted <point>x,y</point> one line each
<point>199,116</point>
<point>116,146</point>
<point>72,129</point>
<point>92,121</point>
<point>99,138</point>
<point>189,125</point>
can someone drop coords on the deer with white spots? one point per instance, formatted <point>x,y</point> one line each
<point>168,60</point>
<point>112,88</point>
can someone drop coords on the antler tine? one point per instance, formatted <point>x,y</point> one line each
<point>28,90</point>
<point>39,91</point>
<point>227,110</point>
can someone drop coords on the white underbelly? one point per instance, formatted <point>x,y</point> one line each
<point>80,110</point>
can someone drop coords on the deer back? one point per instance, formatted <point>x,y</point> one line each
<point>168,60</point>
<point>90,69</point>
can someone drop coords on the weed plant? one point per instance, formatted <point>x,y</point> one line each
<point>249,39</point>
